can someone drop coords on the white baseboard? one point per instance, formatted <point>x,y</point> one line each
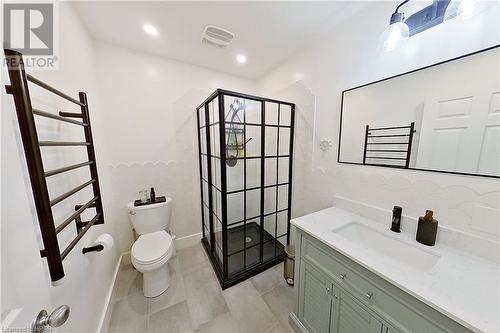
<point>106,313</point>
<point>126,260</point>
<point>187,241</point>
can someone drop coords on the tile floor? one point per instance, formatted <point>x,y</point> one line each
<point>194,302</point>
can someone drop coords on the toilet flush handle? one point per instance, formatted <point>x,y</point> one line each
<point>132,213</point>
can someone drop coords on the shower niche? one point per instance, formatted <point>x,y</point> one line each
<point>245,155</point>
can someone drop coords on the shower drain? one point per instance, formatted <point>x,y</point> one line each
<point>248,239</point>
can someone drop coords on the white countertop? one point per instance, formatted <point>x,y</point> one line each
<point>459,285</point>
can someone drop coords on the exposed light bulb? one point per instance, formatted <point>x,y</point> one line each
<point>240,58</point>
<point>394,34</point>
<point>150,30</point>
<point>396,31</point>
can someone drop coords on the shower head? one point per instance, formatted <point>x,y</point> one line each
<point>231,161</point>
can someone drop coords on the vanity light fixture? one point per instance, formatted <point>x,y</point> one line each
<point>241,59</point>
<point>150,30</point>
<point>397,29</point>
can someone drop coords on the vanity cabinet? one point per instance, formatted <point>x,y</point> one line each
<point>326,308</point>
<point>337,295</point>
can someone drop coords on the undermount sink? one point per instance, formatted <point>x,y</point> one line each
<point>387,246</point>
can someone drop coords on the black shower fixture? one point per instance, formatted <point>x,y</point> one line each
<point>235,141</point>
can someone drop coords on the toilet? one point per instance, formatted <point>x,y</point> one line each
<point>154,247</point>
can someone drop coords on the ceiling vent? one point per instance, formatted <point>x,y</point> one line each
<point>216,36</point>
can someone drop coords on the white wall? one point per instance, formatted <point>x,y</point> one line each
<point>25,279</point>
<point>149,132</point>
<point>351,56</point>
<point>144,125</point>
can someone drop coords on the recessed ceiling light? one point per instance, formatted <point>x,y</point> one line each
<point>150,30</point>
<point>240,58</point>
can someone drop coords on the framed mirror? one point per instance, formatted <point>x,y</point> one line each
<point>442,118</point>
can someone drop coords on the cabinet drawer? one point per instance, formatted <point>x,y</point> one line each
<point>391,304</point>
<point>313,253</point>
<point>343,274</point>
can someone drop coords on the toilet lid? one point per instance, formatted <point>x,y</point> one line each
<point>151,247</point>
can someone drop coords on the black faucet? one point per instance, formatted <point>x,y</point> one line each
<point>396,219</point>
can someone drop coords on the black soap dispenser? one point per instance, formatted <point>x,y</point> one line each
<point>152,195</point>
<point>396,219</point>
<point>427,229</point>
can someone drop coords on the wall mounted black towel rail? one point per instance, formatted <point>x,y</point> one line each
<point>399,137</point>
<point>19,89</point>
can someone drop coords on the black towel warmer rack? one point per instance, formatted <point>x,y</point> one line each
<point>19,89</point>
<point>388,145</point>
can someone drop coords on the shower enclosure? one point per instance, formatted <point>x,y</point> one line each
<point>245,154</point>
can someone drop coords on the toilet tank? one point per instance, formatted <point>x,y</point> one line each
<point>150,218</point>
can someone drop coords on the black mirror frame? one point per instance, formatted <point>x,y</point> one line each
<point>395,76</point>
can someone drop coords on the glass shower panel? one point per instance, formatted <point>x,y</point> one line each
<point>284,141</point>
<point>201,116</point>
<point>205,192</point>
<point>218,238</point>
<point>216,176</point>
<point>282,240</point>
<point>253,136</point>
<point>235,207</point>
<point>247,182</point>
<point>285,115</point>
<point>252,204</point>
<point>203,138</point>
<point>282,197</point>
<point>270,224</point>
<point>270,200</point>
<point>253,172</point>
<point>216,202</point>
<point>271,113</point>
<point>204,167</point>
<point>270,171</point>
<point>283,170</point>
<point>206,223</point>
<point>243,133</point>
<point>271,141</point>
<point>213,111</point>
<point>215,140</point>
<point>282,224</point>
<point>236,174</point>
<point>235,247</point>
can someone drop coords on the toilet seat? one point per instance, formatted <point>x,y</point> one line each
<point>152,250</point>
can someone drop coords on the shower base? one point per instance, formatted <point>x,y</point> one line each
<point>244,253</point>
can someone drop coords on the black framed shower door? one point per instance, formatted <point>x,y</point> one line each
<point>245,157</point>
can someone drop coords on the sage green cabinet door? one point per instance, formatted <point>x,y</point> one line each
<point>354,318</point>
<point>334,312</point>
<point>315,300</point>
